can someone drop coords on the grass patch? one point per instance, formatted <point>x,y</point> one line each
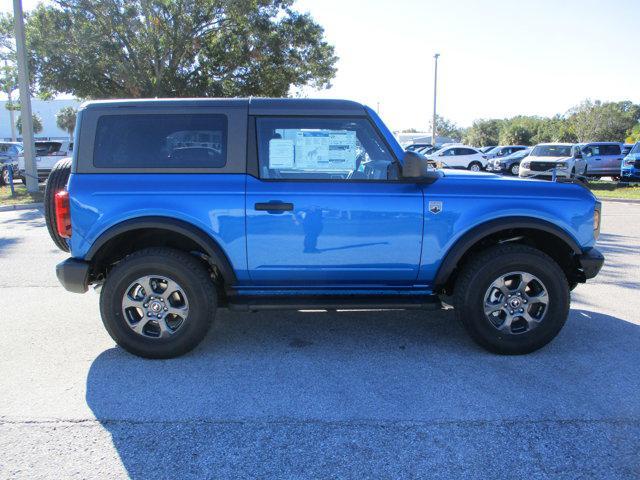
<point>614,190</point>
<point>21,197</point>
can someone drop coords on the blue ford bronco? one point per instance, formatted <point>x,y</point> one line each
<point>172,209</point>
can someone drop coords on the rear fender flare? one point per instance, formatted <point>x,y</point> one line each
<point>208,244</point>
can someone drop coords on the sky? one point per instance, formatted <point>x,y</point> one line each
<point>498,58</point>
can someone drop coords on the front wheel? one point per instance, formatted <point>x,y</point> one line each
<point>475,166</point>
<point>512,299</point>
<point>158,302</point>
<point>515,169</point>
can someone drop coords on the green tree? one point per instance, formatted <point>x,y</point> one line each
<point>483,133</point>
<point>598,121</point>
<point>37,124</point>
<point>634,134</point>
<point>66,119</point>
<point>515,134</point>
<point>174,48</point>
<point>446,128</point>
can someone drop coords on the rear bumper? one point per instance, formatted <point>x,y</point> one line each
<point>591,262</point>
<point>73,274</point>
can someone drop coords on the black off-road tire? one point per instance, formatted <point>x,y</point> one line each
<point>478,275</point>
<point>57,181</point>
<point>181,267</point>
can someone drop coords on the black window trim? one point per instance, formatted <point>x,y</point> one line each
<point>253,163</point>
<point>236,138</point>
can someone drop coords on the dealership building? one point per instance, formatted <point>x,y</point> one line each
<point>46,110</point>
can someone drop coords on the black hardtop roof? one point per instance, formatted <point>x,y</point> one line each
<point>255,106</point>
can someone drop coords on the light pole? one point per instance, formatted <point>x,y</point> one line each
<point>435,94</point>
<point>30,171</point>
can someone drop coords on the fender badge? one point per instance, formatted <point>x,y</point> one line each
<point>435,207</point>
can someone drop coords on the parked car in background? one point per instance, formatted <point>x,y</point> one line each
<point>9,154</point>
<point>503,150</point>
<point>565,159</point>
<point>48,152</point>
<point>630,169</point>
<point>604,159</point>
<point>487,148</point>
<point>509,164</point>
<point>414,147</point>
<point>459,156</point>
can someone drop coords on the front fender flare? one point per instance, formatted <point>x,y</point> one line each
<point>477,233</point>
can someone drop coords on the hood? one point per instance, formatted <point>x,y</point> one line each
<point>548,159</point>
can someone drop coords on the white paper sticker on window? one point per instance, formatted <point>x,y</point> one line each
<point>325,150</point>
<point>280,153</point>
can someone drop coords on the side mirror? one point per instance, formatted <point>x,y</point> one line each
<point>577,153</point>
<point>414,165</point>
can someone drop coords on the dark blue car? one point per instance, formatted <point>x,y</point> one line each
<point>175,208</point>
<point>630,170</point>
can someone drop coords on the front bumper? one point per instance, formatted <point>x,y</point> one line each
<point>543,175</point>
<point>591,262</point>
<point>73,274</point>
<point>632,174</point>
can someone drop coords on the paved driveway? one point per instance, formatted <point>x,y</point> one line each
<point>322,395</point>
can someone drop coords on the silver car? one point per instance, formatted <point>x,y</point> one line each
<point>604,159</point>
<point>9,153</point>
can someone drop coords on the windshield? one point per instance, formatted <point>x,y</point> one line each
<point>551,151</point>
<point>492,150</point>
<point>636,148</point>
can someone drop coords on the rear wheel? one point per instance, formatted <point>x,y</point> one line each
<point>512,299</point>
<point>475,166</point>
<point>57,181</point>
<point>158,303</point>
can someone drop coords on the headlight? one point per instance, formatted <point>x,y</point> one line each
<point>561,165</point>
<point>596,220</point>
<point>629,161</point>
<point>525,164</point>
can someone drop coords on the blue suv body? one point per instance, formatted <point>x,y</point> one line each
<point>177,207</point>
<point>630,170</point>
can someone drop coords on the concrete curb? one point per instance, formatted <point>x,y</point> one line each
<point>24,206</point>
<point>619,200</point>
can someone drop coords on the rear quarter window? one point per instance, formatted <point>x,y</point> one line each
<point>161,141</point>
<point>610,150</point>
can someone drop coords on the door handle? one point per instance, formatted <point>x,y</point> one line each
<point>274,206</point>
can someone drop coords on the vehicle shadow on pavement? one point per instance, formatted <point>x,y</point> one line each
<point>30,218</point>
<point>314,394</point>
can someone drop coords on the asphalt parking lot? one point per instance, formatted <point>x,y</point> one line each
<point>321,395</point>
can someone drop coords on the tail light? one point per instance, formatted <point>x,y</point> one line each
<point>63,214</point>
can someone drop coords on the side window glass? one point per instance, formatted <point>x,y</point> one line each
<point>610,149</point>
<point>322,149</point>
<point>161,141</point>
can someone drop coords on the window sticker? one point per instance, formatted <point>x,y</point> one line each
<point>325,150</point>
<point>280,153</point>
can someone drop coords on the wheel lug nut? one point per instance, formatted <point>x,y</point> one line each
<point>165,309</point>
<point>148,314</point>
<point>159,316</point>
<point>511,312</point>
<point>522,310</point>
<point>145,305</point>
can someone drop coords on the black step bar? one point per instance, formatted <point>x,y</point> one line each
<point>334,302</point>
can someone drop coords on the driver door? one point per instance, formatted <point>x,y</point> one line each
<point>327,207</point>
